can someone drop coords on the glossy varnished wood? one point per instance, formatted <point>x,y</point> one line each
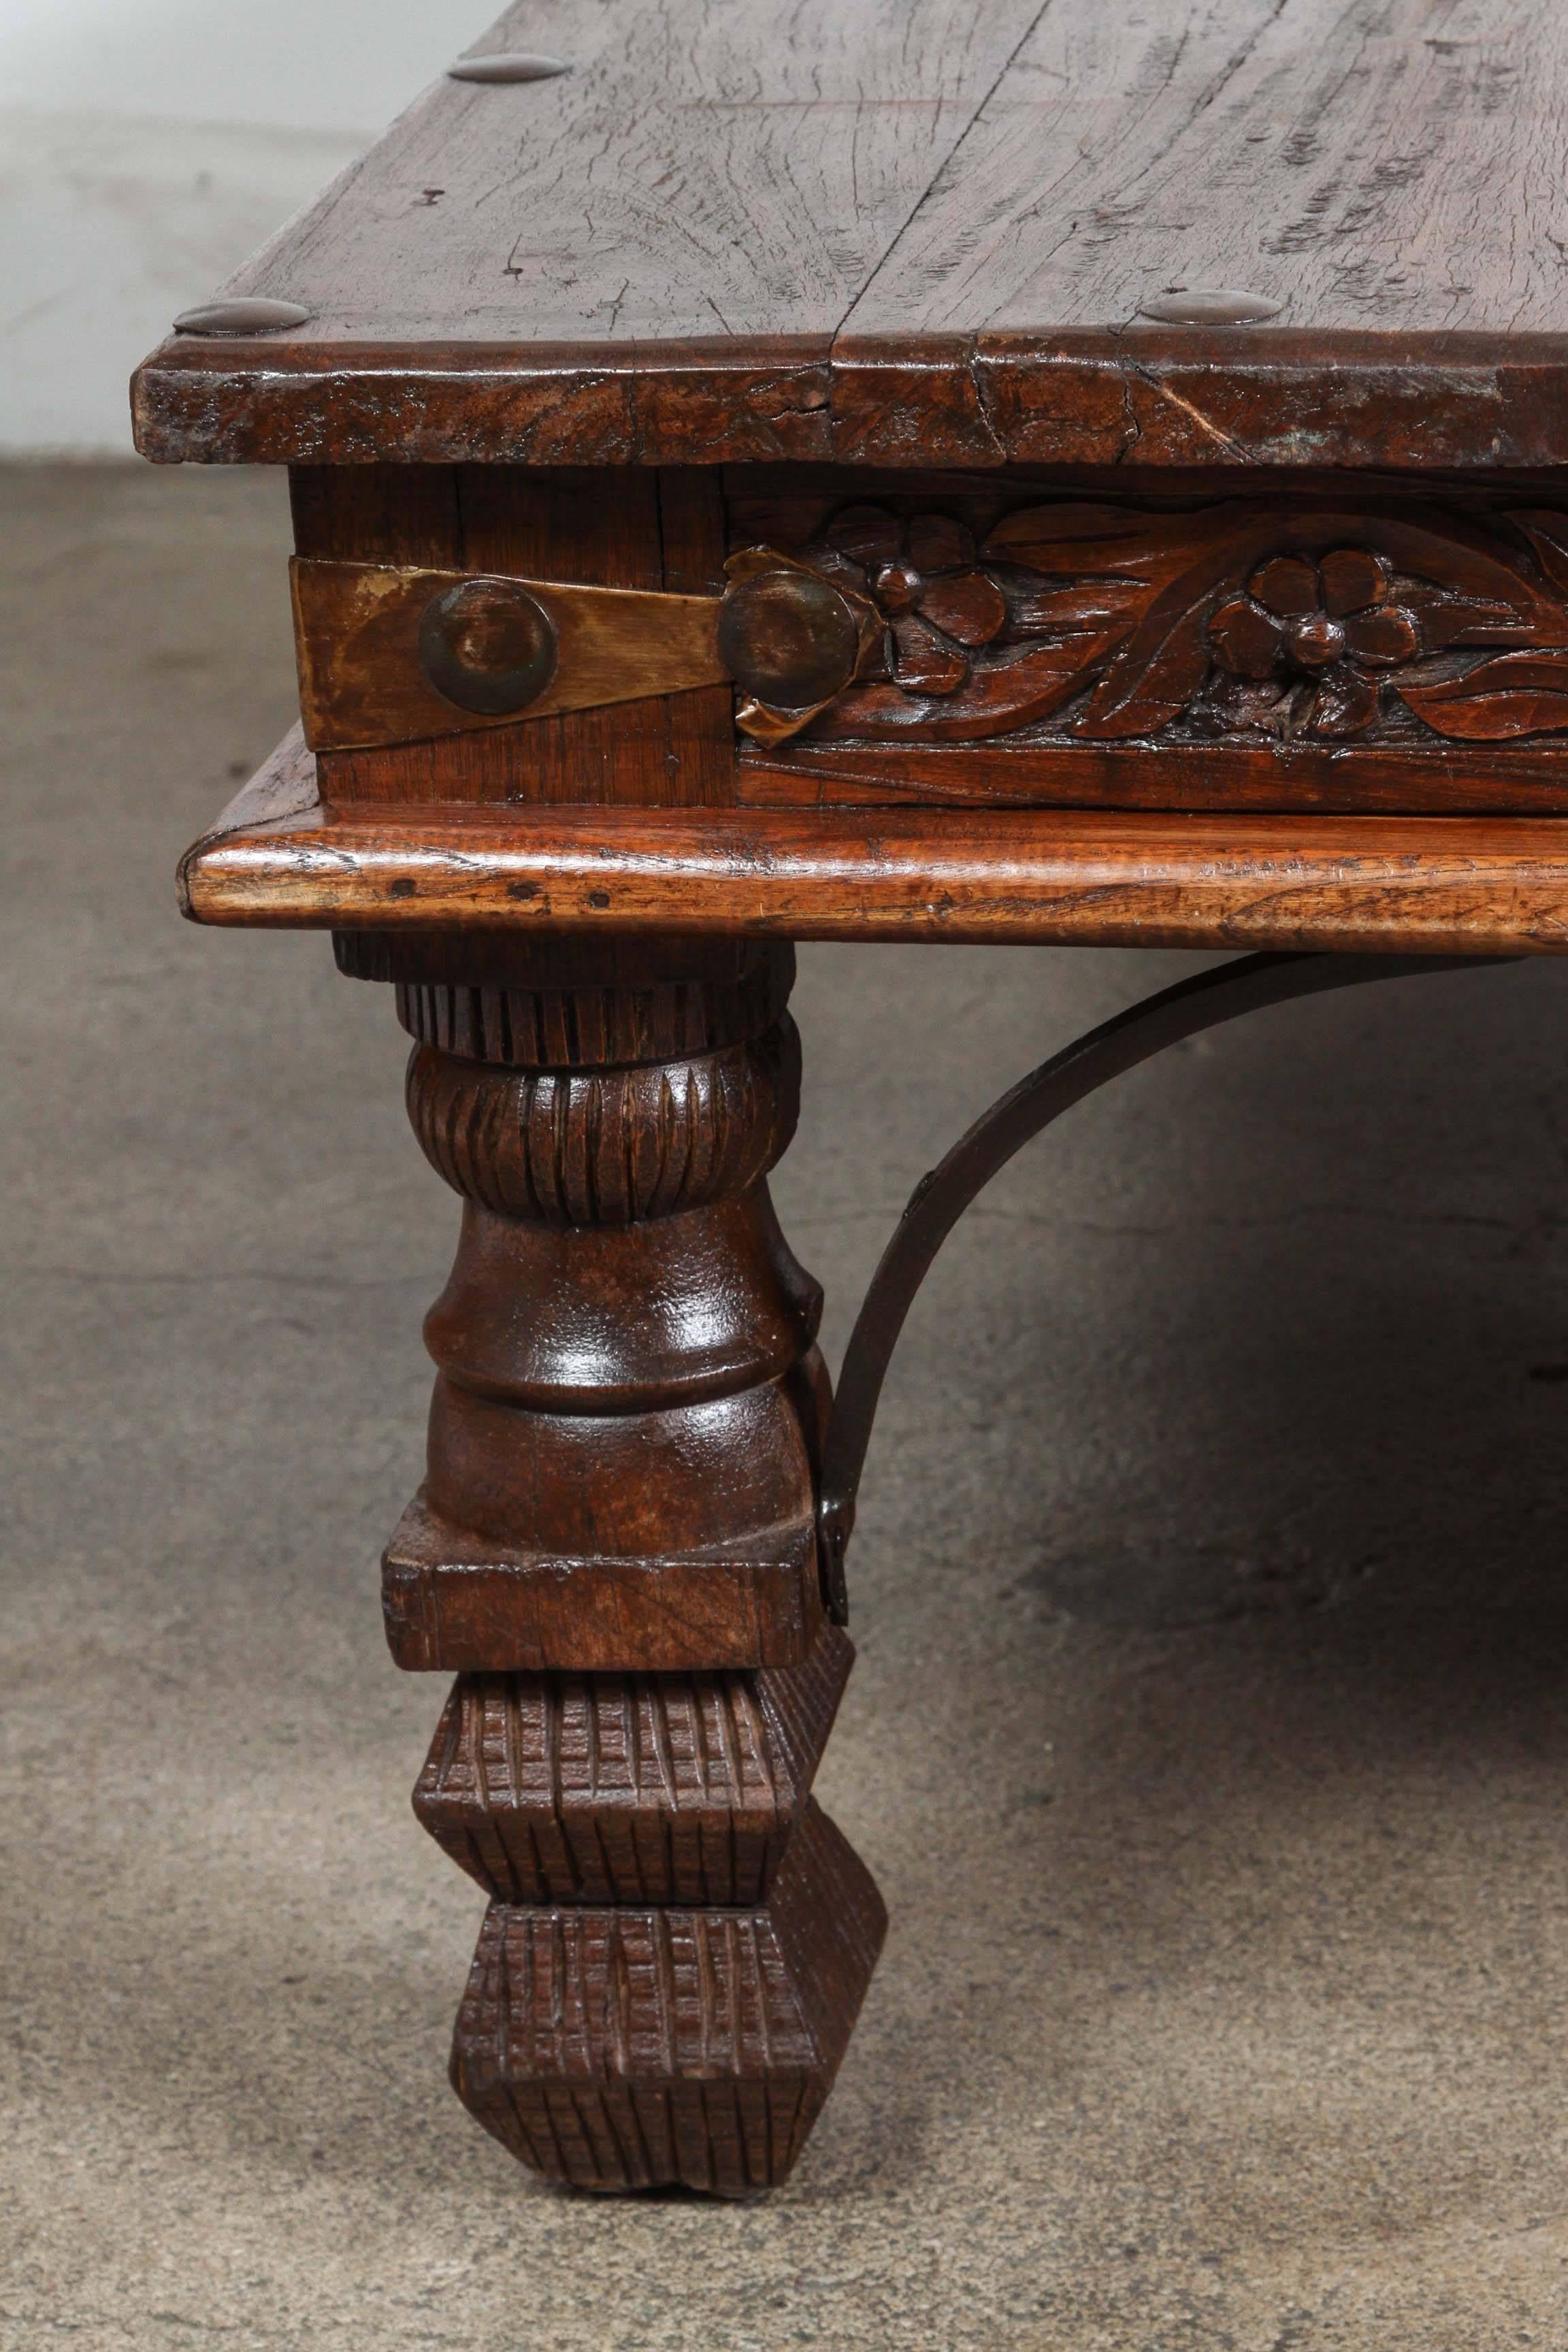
<point>616,1542</point>
<point>628,1401</point>
<point>1436,885</point>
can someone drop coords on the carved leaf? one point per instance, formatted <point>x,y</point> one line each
<point>1343,704</point>
<point>866,535</point>
<point>1040,610</point>
<point>997,699</point>
<point>1471,621</point>
<point>1115,543</point>
<point>1547,533</point>
<point>1148,683</point>
<point>1148,611</point>
<point>1515,694</point>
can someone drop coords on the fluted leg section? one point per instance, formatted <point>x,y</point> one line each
<point>615,1548</point>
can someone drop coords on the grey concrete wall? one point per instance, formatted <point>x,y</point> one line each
<point>147,147</point>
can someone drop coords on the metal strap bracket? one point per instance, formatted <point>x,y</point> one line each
<point>940,1198</point>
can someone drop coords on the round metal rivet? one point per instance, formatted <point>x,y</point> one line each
<point>507,66</point>
<point>247,314</point>
<point>788,638</point>
<point>1208,306</point>
<point>489,645</point>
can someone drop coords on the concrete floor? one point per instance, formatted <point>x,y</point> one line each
<point>1210,1733</point>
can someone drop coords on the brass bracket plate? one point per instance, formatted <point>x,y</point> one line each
<point>391,654</point>
<point>363,680</point>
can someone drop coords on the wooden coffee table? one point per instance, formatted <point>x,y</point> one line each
<point>910,469</point>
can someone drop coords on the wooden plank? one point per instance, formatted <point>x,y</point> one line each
<point>902,229</point>
<point>1415,885</point>
<point>701,747</point>
<point>705,168</point>
<point>1093,397</point>
<point>1394,167</point>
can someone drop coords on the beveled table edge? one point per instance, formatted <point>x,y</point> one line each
<point>1417,885</point>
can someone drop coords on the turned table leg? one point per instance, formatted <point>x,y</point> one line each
<point>615,1549</point>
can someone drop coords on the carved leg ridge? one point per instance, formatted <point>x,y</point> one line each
<point>616,1550</point>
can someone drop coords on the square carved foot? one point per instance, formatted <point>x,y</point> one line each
<point>631,2048</point>
<point>617,1789</point>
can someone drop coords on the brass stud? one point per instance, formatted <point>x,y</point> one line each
<point>508,64</point>
<point>1208,306</point>
<point>245,314</point>
<point>489,645</point>
<point>788,638</point>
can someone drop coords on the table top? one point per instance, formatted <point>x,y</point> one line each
<point>932,232</point>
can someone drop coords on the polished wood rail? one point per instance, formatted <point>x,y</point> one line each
<point>1440,886</point>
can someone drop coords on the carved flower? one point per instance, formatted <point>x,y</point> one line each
<point>923,579</point>
<point>1304,645</point>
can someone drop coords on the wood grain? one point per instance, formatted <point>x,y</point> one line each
<point>1435,885</point>
<point>925,229</point>
<point>703,170</point>
<point>1332,643</point>
<point>629,529</point>
<point>455,1602</point>
<point>1225,781</point>
<point>1367,167</point>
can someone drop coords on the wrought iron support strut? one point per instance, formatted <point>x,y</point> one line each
<point>942,1195</point>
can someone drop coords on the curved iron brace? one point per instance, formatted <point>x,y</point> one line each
<point>941,1197</point>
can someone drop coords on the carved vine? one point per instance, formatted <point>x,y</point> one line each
<point>1247,621</point>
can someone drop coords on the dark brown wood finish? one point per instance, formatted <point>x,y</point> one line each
<point>636,1789</point>
<point>633,2049</point>
<point>617,1540</point>
<point>909,231</point>
<point>1166,411</point>
<point>1270,644</point>
<point>628,1402</point>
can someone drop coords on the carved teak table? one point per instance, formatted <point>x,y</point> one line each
<point>916,469</point>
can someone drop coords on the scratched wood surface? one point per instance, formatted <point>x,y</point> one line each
<point>846,225</point>
<point>1390,164</point>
